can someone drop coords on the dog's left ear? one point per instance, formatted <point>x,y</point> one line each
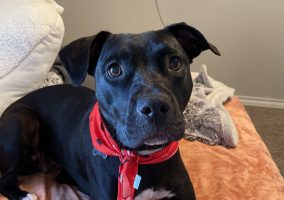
<point>192,41</point>
<point>81,56</point>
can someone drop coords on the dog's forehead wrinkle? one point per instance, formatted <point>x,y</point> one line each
<point>124,46</point>
<point>140,41</point>
<point>131,40</point>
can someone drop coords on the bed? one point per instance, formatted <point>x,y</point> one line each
<point>217,172</point>
<point>245,172</point>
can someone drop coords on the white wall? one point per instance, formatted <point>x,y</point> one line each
<point>249,34</point>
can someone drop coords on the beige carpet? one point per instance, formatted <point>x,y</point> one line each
<point>269,123</point>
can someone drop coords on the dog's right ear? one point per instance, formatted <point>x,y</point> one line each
<point>81,56</point>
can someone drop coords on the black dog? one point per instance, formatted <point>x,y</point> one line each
<point>143,85</point>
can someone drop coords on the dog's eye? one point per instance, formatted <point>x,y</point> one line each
<point>114,70</point>
<point>175,63</point>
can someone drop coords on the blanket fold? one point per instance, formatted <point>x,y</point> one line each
<point>206,118</point>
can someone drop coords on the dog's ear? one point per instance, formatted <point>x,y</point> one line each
<point>191,40</point>
<point>81,56</point>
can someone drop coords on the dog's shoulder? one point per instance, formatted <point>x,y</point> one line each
<point>59,92</point>
<point>60,98</point>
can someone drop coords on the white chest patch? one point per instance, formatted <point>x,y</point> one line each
<point>150,194</point>
<point>30,197</point>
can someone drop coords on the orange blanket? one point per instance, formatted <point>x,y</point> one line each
<point>246,172</point>
<point>217,173</point>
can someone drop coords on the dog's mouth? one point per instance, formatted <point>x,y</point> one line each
<point>151,146</point>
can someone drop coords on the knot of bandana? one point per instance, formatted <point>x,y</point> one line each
<point>129,160</point>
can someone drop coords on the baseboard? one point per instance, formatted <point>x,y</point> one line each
<point>262,102</point>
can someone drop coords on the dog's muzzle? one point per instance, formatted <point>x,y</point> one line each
<point>154,110</point>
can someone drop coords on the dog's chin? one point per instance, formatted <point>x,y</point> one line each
<point>152,146</point>
<point>145,147</point>
<point>148,152</point>
<point>149,141</point>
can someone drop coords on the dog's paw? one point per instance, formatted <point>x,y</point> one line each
<point>150,194</point>
<point>30,197</point>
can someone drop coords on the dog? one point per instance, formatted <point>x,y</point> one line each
<point>99,138</point>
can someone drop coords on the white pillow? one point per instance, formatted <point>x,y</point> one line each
<point>31,33</point>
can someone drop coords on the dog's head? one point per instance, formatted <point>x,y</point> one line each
<point>143,81</point>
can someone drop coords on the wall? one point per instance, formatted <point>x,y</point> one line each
<point>249,34</point>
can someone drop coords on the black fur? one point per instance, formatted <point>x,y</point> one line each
<point>145,102</point>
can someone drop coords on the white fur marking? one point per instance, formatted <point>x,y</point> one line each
<point>150,194</point>
<point>30,197</point>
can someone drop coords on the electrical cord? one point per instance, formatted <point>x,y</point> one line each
<point>158,9</point>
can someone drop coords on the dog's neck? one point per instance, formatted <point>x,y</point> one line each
<point>112,131</point>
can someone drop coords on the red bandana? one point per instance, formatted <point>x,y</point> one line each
<point>103,142</point>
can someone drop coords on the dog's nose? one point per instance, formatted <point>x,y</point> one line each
<point>153,107</point>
